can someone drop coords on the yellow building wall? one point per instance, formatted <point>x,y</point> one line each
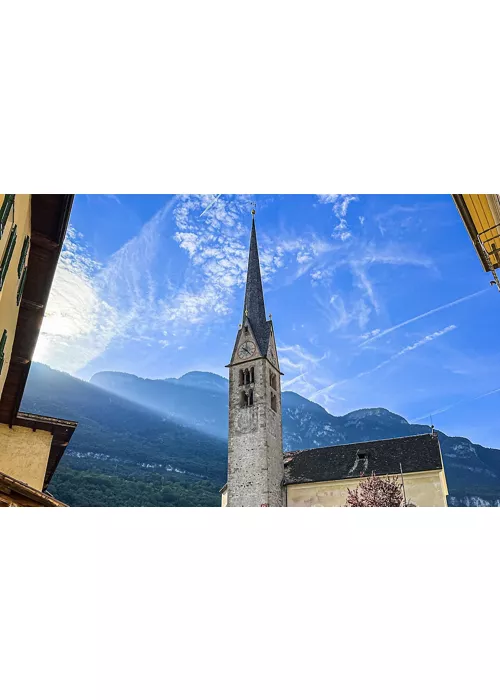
<point>427,488</point>
<point>484,212</point>
<point>9,310</point>
<point>24,454</point>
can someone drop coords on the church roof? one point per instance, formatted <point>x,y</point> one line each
<point>415,454</point>
<point>254,308</point>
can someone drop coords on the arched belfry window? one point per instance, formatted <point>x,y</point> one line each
<point>242,379</point>
<point>246,398</point>
<point>252,376</point>
<point>272,380</point>
<point>273,402</point>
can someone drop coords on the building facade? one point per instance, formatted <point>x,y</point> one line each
<point>259,474</point>
<point>32,231</point>
<point>15,217</point>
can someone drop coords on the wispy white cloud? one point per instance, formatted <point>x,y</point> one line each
<point>217,246</point>
<point>131,296</point>
<point>370,334</point>
<point>356,305</point>
<point>340,206</point>
<point>379,334</point>
<point>409,348</point>
<point>92,304</point>
<point>78,324</point>
<point>365,284</point>
<point>301,363</point>
<point>444,409</point>
<point>342,311</point>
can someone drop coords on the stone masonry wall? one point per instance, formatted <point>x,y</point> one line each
<point>255,451</point>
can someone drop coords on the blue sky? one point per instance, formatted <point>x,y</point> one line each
<point>377,300</point>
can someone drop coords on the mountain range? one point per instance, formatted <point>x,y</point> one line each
<point>163,442</point>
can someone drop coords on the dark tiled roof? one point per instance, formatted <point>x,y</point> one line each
<point>254,307</point>
<point>416,453</point>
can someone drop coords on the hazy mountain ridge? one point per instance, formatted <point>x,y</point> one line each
<point>473,471</point>
<point>123,444</point>
<point>163,442</point>
<point>179,399</point>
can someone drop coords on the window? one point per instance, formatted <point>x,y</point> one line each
<point>2,349</point>
<point>273,402</point>
<point>272,380</point>
<point>7,256</point>
<point>246,398</point>
<point>20,288</point>
<point>7,203</point>
<point>247,376</point>
<point>22,258</point>
<point>361,462</point>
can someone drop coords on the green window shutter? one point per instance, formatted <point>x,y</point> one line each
<point>2,349</point>
<point>22,259</point>
<point>8,254</point>
<point>22,282</point>
<point>7,203</point>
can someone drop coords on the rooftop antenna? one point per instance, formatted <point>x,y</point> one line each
<point>432,426</point>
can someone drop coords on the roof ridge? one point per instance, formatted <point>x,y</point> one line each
<point>361,442</point>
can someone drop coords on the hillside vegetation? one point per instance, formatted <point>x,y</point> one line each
<point>144,442</point>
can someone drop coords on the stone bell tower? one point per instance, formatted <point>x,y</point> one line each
<point>255,458</point>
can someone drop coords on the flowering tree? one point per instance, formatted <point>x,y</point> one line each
<point>377,492</point>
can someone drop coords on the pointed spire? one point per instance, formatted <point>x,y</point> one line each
<point>254,309</point>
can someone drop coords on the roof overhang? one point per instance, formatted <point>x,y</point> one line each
<point>49,220</point>
<point>61,431</point>
<point>14,488</point>
<point>481,216</point>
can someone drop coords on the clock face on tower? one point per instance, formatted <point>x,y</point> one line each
<point>246,350</point>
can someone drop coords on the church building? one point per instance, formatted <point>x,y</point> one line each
<point>259,474</point>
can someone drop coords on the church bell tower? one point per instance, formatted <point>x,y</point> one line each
<point>255,450</point>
